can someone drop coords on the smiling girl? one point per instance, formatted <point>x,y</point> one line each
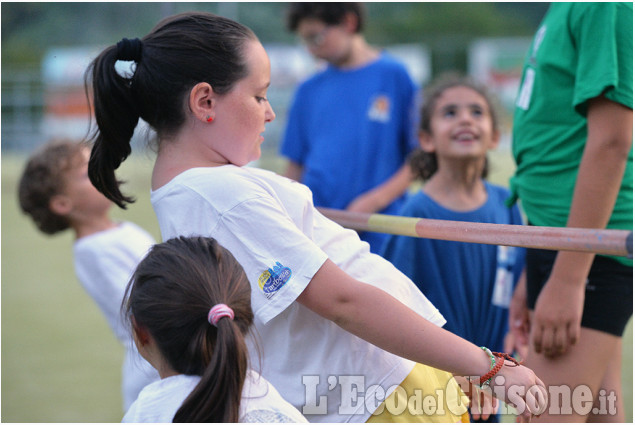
<point>471,284</point>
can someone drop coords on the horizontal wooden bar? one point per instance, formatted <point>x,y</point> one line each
<point>599,241</point>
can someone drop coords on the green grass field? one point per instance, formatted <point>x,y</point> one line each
<point>60,362</point>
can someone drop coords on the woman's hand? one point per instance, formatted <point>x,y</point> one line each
<point>557,317</point>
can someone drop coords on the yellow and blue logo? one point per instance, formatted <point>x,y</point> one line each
<point>274,278</point>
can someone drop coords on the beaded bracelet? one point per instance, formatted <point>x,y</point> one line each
<point>498,360</point>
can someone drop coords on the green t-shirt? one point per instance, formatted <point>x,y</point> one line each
<point>580,51</point>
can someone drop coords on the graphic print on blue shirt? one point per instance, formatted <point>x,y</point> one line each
<point>274,278</point>
<point>380,109</point>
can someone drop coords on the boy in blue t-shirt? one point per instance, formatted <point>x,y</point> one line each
<point>352,125</point>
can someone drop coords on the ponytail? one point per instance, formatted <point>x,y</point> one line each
<point>180,52</point>
<point>116,117</point>
<point>217,396</point>
<point>171,294</point>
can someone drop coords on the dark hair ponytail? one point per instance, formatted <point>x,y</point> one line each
<point>217,397</point>
<point>180,52</point>
<point>170,295</point>
<point>116,118</point>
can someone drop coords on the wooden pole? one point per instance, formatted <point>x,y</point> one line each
<point>599,241</point>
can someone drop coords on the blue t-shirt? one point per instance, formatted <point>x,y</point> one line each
<point>471,284</point>
<point>351,130</point>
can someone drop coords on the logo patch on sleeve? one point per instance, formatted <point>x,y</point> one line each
<point>274,278</point>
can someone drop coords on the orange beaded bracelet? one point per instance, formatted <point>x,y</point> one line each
<point>498,361</point>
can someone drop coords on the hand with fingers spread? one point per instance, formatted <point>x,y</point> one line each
<point>557,317</point>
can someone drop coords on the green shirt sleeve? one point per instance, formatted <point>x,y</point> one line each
<point>603,36</point>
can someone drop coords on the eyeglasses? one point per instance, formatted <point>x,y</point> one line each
<point>317,39</point>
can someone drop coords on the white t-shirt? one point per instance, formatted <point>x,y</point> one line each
<point>269,223</point>
<point>104,263</point>
<point>260,402</point>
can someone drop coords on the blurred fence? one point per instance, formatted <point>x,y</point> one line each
<point>49,101</point>
<point>22,109</point>
<point>40,104</point>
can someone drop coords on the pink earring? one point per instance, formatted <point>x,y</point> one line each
<point>209,118</point>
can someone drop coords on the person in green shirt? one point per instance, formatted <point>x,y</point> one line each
<point>572,142</point>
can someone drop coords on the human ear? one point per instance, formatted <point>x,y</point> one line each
<point>145,344</point>
<point>140,334</point>
<point>202,101</point>
<point>60,205</point>
<point>349,21</point>
<point>426,141</point>
<point>496,137</point>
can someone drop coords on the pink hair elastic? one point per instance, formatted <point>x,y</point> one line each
<point>218,312</point>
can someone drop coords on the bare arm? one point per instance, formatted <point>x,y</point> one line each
<point>610,133</point>
<point>381,196</point>
<point>294,171</point>
<point>382,320</point>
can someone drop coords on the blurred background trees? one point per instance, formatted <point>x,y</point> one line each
<point>46,46</point>
<point>29,29</point>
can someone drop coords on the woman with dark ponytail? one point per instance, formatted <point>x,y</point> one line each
<point>189,305</point>
<point>180,52</point>
<point>325,307</point>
